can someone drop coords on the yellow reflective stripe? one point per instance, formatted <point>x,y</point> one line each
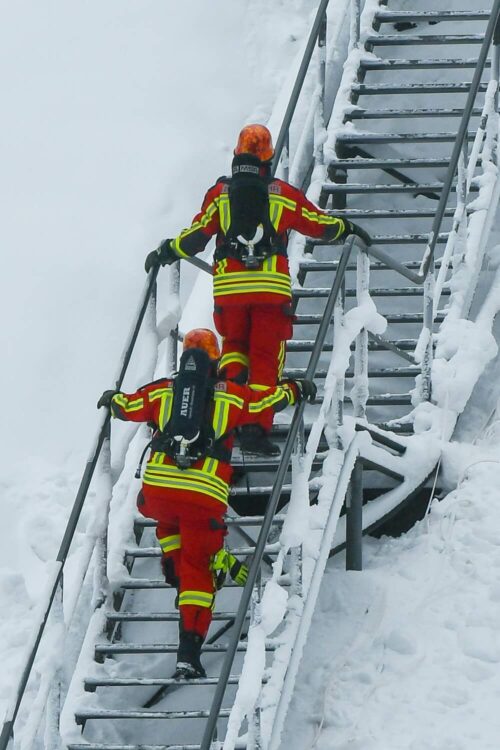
<point>281,200</point>
<point>289,392</point>
<point>169,543</point>
<point>271,264</point>
<point>157,458</point>
<point>275,211</point>
<point>127,405</point>
<point>281,359</point>
<point>253,288</point>
<point>221,267</point>
<point>230,398</point>
<point>239,357</point>
<point>196,598</point>
<point>157,393</point>
<point>205,219</point>
<point>324,219</point>
<point>193,480</point>
<point>254,276</point>
<point>154,480</point>
<point>224,212</point>
<point>221,417</point>
<point>266,402</point>
<point>210,466</point>
<point>258,387</point>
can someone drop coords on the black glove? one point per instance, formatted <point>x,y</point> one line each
<point>306,390</point>
<point>105,399</point>
<point>162,256</point>
<point>359,232</point>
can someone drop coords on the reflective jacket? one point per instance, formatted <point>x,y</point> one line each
<point>233,405</point>
<point>270,283</point>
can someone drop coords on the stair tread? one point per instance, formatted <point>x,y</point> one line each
<point>165,648</point>
<point>361,137</point>
<point>422,63</point>
<point>362,114</point>
<point>124,713</point>
<point>413,88</point>
<point>365,163</point>
<point>402,39</point>
<point>389,16</point>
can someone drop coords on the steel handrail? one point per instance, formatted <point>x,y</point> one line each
<point>274,498</point>
<point>8,725</point>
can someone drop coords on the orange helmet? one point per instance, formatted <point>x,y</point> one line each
<point>256,140</point>
<point>202,338</point>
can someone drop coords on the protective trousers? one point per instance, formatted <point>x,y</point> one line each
<point>189,533</point>
<point>253,347</point>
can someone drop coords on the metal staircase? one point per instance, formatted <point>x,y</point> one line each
<point>385,166</point>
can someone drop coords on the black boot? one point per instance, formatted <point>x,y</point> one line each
<point>253,439</point>
<point>188,656</point>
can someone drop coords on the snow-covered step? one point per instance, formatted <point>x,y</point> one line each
<point>113,649</point>
<point>148,552</point>
<point>377,163</point>
<point>120,746</point>
<point>382,467</point>
<point>89,714</point>
<point>405,114</point>
<point>159,616</point>
<point>313,266</point>
<point>142,522</point>
<point>420,64</point>
<point>398,40</point>
<point>381,89</point>
<point>360,188</point>
<point>348,138</point>
<point>384,399</point>
<point>114,746</point>
<point>409,291</point>
<point>92,683</point>
<point>419,16</point>
<point>386,372</point>
<point>306,345</point>
<point>380,437</point>
<point>315,319</point>
<point>381,213</point>
<point>136,584</point>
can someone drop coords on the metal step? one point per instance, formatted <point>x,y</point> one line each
<point>159,616</point>
<point>308,345</point>
<point>359,188</point>
<point>398,40</point>
<point>312,266</point>
<point>90,714</point>
<point>114,746</point>
<point>399,137</point>
<point>410,291</point>
<point>381,438</point>
<point>364,89</point>
<point>92,683</point>
<point>389,372</point>
<point>376,163</point>
<point>391,16</point>
<point>148,552</point>
<point>403,428</point>
<point>420,64</point>
<point>108,649</point>
<point>370,465</point>
<point>142,522</point>
<point>379,213</point>
<point>135,584</point>
<point>395,114</point>
<point>385,399</point>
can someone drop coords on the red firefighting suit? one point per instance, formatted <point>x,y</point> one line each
<point>189,504</point>
<point>253,306</point>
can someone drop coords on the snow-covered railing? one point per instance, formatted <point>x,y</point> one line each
<point>57,607</point>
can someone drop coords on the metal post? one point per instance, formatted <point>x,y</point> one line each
<point>174,283</point>
<point>52,738</point>
<point>359,395</point>
<point>355,23</point>
<point>354,520</point>
<point>337,412</point>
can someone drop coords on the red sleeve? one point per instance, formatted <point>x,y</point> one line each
<point>205,224</point>
<point>310,220</point>
<point>141,406</point>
